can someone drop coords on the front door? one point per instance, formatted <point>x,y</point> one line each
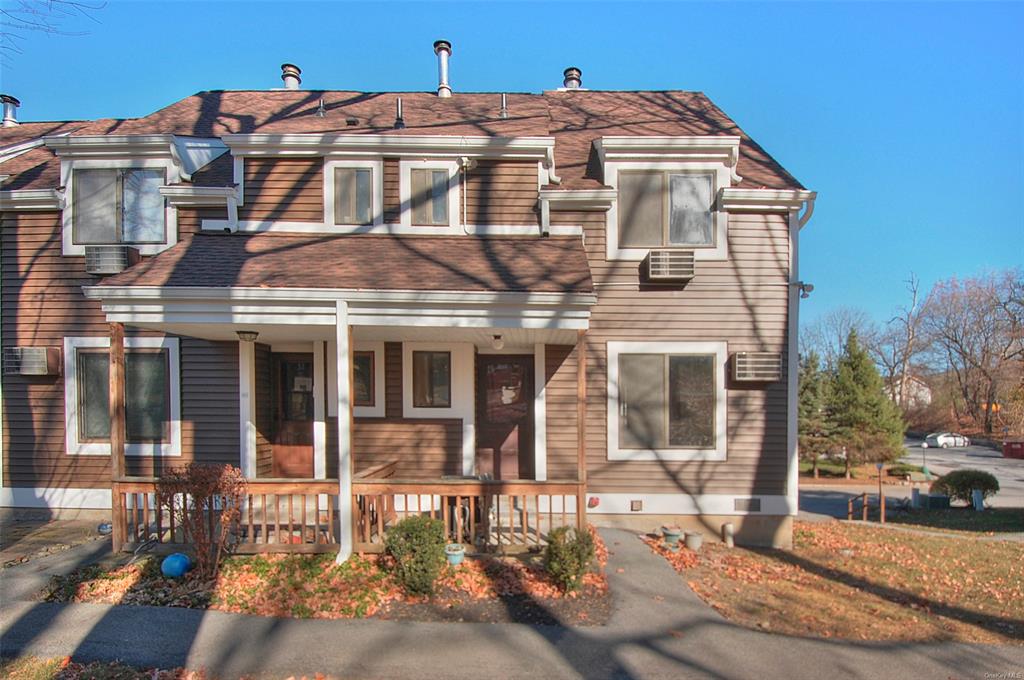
<point>504,416</point>
<point>293,417</point>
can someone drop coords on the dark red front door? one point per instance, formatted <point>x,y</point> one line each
<point>504,416</point>
<point>293,421</point>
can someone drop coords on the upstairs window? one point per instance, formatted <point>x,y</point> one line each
<point>660,208</point>
<point>118,206</point>
<point>353,196</point>
<point>429,197</point>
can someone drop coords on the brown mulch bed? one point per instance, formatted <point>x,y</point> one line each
<point>488,589</point>
<point>849,581</point>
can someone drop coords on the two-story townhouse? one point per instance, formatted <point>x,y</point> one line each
<point>505,309</point>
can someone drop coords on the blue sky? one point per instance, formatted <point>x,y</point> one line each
<point>907,118</point>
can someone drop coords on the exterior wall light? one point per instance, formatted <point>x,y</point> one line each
<point>248,336</point>
<point>498,342</point>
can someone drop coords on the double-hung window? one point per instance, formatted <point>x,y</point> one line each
<point>151,395</point>
<point>664,208</point>
<point>118,205</point>
<point>667,400</point>
<point>429,197</point>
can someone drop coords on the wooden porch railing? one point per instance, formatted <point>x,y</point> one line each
<point>278,515</point>
<point>484,515</point>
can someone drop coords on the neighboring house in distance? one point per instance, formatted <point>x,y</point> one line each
<point>375,304</point>
<point>916,392</point>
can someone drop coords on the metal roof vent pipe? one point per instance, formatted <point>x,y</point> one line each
<point>443,50</point>
<point>573,78</point>
<point>399,118</point>
<point>290,74</point>
<point>503,114</point>
<point>10,110</point>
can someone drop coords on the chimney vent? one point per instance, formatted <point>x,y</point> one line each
<point>10,110</point>
<point>399,118</point>
<point>443,50</point>
<point>504,106</point>
<point>290,74</point>
<point>573,78</point>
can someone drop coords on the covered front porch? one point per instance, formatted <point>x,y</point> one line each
<point>358,409</point>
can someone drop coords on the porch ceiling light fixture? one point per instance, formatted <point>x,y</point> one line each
<point>498,342</point>
<point>248,336</point>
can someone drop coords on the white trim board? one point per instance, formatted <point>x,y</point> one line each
<point>247,407</point>
<point>73,446</point>
<point>719,349</point>
<point>290,227</point>
<point>540,414</point>
<point>55,497</point>
<point>687,504</point>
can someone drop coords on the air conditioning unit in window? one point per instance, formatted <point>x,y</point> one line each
<point>109,259</point>
<point>757,366</point>
<point>670,264</point>
<point>31,361</point>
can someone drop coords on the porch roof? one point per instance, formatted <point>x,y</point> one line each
<point>367,262</point>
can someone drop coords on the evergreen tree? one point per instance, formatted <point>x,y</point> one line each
<point>814,423</point>
<point>865,421</point>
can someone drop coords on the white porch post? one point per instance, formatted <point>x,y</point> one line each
<point>342,357</point>
<point>540,415</point>
<point>247,408</point>
<point>319,420</point>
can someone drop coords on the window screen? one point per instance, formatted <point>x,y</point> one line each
<point>147,394</point>
<point>431,379</point>
<point>641,209</point>
<point>429,197</point>
<point>641,401</point>
<point>353,202</point>
<point>95,206</point>
<point>690,206</point>
<point>691,391</point>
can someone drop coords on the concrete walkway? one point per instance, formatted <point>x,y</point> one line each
<point>659,630</point>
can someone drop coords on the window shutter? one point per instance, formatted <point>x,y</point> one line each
<point>95,206</point>
<point>641,209</point>
<point>690,203</point>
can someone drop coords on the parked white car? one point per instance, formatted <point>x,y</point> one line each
<point>945,440</point>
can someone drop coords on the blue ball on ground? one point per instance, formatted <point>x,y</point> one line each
<point>176,565</point>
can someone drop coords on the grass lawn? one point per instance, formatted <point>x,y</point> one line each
<point>34,668</point>
<point>992,520</point>
<point>855,582</point>
<point>313,586</point>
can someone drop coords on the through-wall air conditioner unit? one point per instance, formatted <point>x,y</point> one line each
<point>757,366</point>
<point>109,259</point>
<point>670,264</point>
<point>31,361</point>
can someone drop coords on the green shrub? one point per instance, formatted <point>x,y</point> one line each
<point>568,556</point>
<point>959,484</point>
<point>417,546</point>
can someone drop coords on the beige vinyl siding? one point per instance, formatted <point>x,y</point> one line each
<point>42,303</point>
<point>502,192</point>
<point>283,189</point>
<point>742,300</point>
<point>392,197</point>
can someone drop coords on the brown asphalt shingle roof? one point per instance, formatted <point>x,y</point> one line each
<point>371,262</point>
<point>574,118</point>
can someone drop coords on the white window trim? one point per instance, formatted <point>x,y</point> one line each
<point>405,169</point>
<point>376,168</point>
<point>463,383</point>
<point>722,179</point>
<point>717,348</point>
<point>77,448</point>
<point>67,168</point>
<point>377,410</point>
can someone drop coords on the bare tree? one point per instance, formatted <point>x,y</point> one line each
<point>898,344</point>
<point>826,336</point>
<point>41,16</point>
<point>974,330</point>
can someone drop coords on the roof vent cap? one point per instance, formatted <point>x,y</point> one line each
<point>290,74</point>
<point>573,78</point>
<point>11,105</point>
<point>443,50</point>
